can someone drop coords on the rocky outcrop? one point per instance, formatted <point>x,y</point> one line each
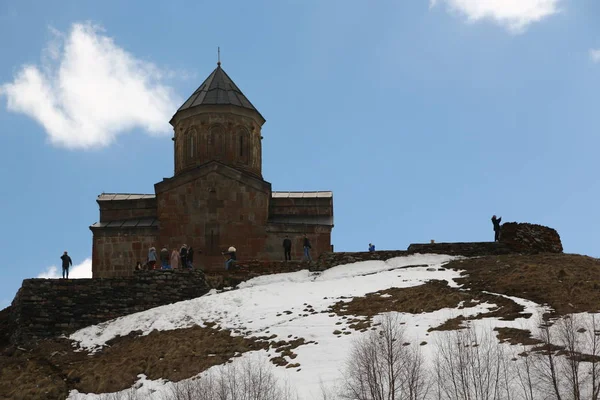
<point>530,238</point>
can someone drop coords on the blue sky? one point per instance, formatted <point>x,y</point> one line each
<point>423,117</point>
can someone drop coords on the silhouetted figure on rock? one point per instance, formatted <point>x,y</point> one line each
<point>496,222</point>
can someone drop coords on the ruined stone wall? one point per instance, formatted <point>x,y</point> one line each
<point>115,252</point>
<point>530,238</point>
<point>50,307</point>
<point>115,210</point>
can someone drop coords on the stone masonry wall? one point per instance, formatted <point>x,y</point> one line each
<point>49,307</point>
<point>230,138</point>
<point>285,206</point>
<point>212,208</point>
<point>319,236</point>
<point>126,209</point>
<point>115,252</point>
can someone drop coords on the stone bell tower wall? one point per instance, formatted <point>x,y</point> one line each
<point>228,134</point>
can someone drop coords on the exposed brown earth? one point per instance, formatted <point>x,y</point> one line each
<point>516,336</point>
<point>51,369</point>
<point>431,296</point>
<point>568,283</point>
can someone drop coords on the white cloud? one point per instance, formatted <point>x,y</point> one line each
<point>595,55</point>
<point>83,270</point>
<point>88,90</point>
<point>515,15</point>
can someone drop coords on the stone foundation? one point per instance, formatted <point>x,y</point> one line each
<point>50,307</point>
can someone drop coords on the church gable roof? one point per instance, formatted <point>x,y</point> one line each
<point>218,89</point>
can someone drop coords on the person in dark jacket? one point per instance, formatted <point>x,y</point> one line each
<point>287,248</point>
<point>183,255</point>
<point>306,245</point>
<point>496,222</point>
<point>190,258</point>
<point>371,247</point>
<point>66,263</point>
<point>232,258</point>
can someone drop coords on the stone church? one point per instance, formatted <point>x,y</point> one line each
<point>217,197</point>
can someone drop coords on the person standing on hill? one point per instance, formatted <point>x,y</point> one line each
<point>175,258</point>
<point>152,257</point>
<point>66,263</point>
<point>190,258</point>
<point>371,247</point>
<point>306,245</point>
<point>496,222</point>
<point>183,254</point>
<point>287,248</point>
<point>230,263</point>
<point>164,257</point>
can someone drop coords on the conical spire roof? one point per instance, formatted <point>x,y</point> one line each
<point>218,89</point>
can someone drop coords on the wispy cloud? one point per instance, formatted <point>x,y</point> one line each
<point>88,90</point>
<point>83,270</point>
<point>595,55</point>
<point>514,15</point>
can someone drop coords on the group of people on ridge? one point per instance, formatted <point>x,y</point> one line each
<point>179,259</point>
<point>287,248</point>
<point>175,259</point>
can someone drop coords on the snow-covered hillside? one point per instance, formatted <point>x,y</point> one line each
<point>277,305</point>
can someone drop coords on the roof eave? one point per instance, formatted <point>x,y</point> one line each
<point>174,119</point>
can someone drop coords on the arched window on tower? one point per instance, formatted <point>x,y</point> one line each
<point>191,144</point>
<point>215,142</point>
<point>243,146</point>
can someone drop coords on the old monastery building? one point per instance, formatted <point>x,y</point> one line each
<point>217,197</point>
